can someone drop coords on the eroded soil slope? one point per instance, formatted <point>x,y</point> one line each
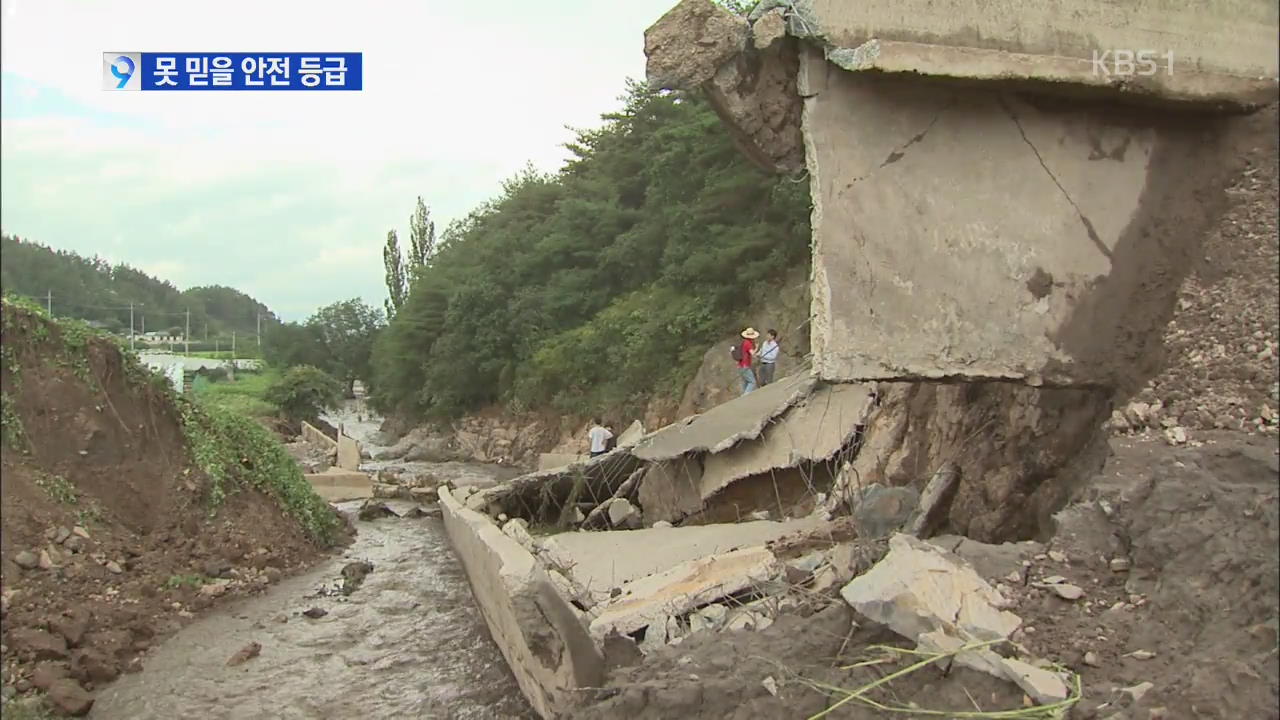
<point>113,529</point>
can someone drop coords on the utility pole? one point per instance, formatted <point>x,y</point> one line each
<point>259,332</point>
<point>48,302</point>
<point>186,336</point>
<point>233,346</point>
<point>130,326</point>
<point>144,324</point>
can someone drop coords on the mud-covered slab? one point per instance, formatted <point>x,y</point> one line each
<point>721,427</point>
<point>812,431</point>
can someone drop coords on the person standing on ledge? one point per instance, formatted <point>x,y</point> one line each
<point>599,436</point>
<point>769,357</point>
<point>744,354</point>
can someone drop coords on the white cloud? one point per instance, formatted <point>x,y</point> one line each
<point>252,189</point>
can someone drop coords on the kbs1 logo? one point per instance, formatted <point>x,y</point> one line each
<point>1132,63</point>
<point>232,71</point>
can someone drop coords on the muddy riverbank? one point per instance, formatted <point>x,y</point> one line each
<point>409,642</point>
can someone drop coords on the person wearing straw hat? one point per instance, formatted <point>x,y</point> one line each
<point>744,356</point>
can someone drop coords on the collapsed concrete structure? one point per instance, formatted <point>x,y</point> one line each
<point>1003,212</point>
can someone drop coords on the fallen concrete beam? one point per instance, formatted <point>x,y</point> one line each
<point>558,461</point>
<point>536,627</point>
<point>336,485</point>
<point>314,435</point>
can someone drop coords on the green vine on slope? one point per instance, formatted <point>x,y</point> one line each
<point>233,451</point>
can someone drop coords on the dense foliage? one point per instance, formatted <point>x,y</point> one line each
<point>337,339</point>
<point>92,289</point>
<point>600,286</point>
<point>303,392</point>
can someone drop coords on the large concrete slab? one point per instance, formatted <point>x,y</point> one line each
<point>1202,52</point>
<point>721,427</point>
<point>553,461</point>
<point>601,561</point>
<point>812,431</point>
<point>541,635</point>
<point>963,232</point>
<point>348,452</point>
<point>336,485</point>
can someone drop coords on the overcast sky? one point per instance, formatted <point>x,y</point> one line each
<point>287,195</point>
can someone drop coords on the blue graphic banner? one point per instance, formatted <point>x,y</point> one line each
<point>232,71</point>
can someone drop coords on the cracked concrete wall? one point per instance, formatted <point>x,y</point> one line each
<point>976,232</point>
<point>1066,215</point>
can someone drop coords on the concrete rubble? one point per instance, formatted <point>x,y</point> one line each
<point>983,201</point>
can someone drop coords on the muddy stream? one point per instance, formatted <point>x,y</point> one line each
<point>409,643</point>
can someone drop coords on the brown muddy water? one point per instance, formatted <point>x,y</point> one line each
<point>409,643</point>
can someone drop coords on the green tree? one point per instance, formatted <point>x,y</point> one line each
<point>422,238</point>
<point>303,392</point>
<point>397,284</point>
<point>346,330</point>
<point>292,344</point>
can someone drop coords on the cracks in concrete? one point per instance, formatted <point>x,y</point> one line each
<point>899,152</point>
<point>1084,219</point>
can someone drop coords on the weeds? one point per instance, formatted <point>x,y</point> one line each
<point>92,513</point>
<point>58,487</point>
<point>179,581</point>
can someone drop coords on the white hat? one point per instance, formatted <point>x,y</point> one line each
<point>750,334</point>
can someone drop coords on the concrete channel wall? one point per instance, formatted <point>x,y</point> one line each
<point>540,633</point>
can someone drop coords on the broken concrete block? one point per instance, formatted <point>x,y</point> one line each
<point>768,29</point>
<point>934,501</point>
<point>919,588</point>
<point>1043,686</point>
<point>622,514</point>
<point>878,510</point>
<point>518,530</point>
<point>678,590</point>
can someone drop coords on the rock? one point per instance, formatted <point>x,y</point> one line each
<point>26,560</point>
<point>1119,564</point>
<point>215,589</point>
<point>1141,655</point>
<point>674,61</point>
<point>68,697</point>
<point>61,535</point>
<point>424,494</point>
<point>1091,659</point>
<point>1057,556</point>
<point>1043,686</point>
<point>1136,413</point>
<point>1067,591</point>
<point>385,490</point>
<point>918,588</point>
<point>353,575</point>
<point>879,511</point>
<point>95,665</point>
<point>46,560</point>
<point>1176,435</point>
<point>38,644</point>
<point>74,544</point>
<point>315,613</point>
<point>71,625</point>
<point>244,654</point>
<point>47,673</point>
<point>622,514</point>
<point>1137,692</point>
<point>768,29</point>
<point>934,501</point>
<point>770,685</point>
<point>371,510</point>
<point>759,515</point>
<point>662,524</point>
<point>114,567</point>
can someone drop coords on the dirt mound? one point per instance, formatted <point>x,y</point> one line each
<point>123,511</point>
<point>1175,551</point>
<point>1223,343</point>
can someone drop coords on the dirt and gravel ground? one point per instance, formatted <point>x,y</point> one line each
<point>107,544</point>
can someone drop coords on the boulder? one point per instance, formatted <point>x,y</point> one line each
<point>622,514</point>
<point>688,44</point>
<point>879,510</point>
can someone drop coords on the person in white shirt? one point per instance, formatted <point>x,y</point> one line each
<point>769,358</point>
<point>599,436</point>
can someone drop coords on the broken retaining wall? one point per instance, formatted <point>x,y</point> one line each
<point>1000,228</point>
<point>536,627</point>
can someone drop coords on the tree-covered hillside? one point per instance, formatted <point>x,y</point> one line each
<point>601,286</point>
<point>92,289</point>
